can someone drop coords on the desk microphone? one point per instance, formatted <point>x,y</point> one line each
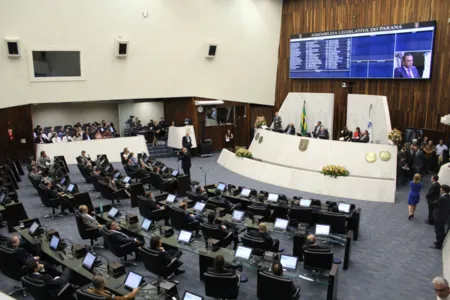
<point>45,231</point>
<point>107,262</point>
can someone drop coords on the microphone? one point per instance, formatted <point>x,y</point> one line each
<point>45,231</point>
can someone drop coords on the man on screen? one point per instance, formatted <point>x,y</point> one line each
<point>407,70</point>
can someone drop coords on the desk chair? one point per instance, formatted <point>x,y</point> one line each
<point>106,193</point>
<point>53,203</point>
<point>39,291</point>
<point>337,222</point>
<point>260,211</point>
<point>85,233</point>
<point>214,232</point>
<point>270,286</point>
<point>258,245</point>
<point>221,286</point>
<point>11,268</point>
<point>155,263</point>
<point>96,185</point>
<point>301,215</point>
<point>85,172</point>
<point>85,295</point>
<point>179,221</point>
<point>121,251</point>
<point>280,212</point>
<point>159,183</point>
<point>132,175</point>
<point>318,261</point>
<point>146,212</point>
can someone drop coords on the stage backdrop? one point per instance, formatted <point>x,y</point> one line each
<point>319,107</point>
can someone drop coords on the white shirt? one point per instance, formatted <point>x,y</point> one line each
<point>66,139</point>
<point>440,148</point>
<point>446,298</point>
<point>56,140</point>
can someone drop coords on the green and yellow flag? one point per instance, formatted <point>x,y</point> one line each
<point>303,125</point>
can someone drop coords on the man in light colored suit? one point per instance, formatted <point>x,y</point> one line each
<point>88,220</point>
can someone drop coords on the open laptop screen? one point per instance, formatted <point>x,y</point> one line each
<point>133,280</point>
<point>245,193</point>
<point>199,206</point>
<point>281,224</point>
<point>146,224</point>
<point>322,229</point>
<point>305,202</point>
<point>344,207</point>
<point>88,261</point>
<point>170,198</point>
<point>54,243</point>
<point>70,188</point>
<point>289,262</point>
<point>184,236</point>
<point>221,186</point>
<point>238,215</point>
<point>191,296</point>
<point>272,198</point>
<point>243,252</point>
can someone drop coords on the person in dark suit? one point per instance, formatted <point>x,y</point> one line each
<point>271,244</point>
<point>419,160</point>
<point>187,141</point>
<point>346,135</point>
<point>220,267</point>
<point>155,206</point>
<point>434,192</point>
<point>185,158</point>
<point>311,244</point>
<point>290,129</point>
<point>88,220</point>
<point>120,237</point>
<point>364,137</point>
<point>277,269</point>
<point>53,284</point>
<point>52,193</point>
<point>407,70</point>
<point>201,193</point>
<point>156,244</point>
<point>226,236</point>
<point>441,210</point>
<point>323,134</point>
<point>317,128</point>
<point>220,201</point>
<point>259,203</point>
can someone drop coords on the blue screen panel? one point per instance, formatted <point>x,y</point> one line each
<point>359,69</point>
<point>381,69</point>
<point>379,47</point>
<point>414,41</point>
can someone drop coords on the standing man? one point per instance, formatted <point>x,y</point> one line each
<point>187,141</point>
<point>441,288</point>
<point>185,158</point>
<point>433,194</point>
<point>277,123</point>
<point>441,210</point>
<point>419,159</point>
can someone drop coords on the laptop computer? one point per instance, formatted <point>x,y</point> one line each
<point>221,186</point>
<point>289,262</point>
<point>126,179</point>
<point>191,296</point>
<point>238,215</point>
<point>174,173</point>
<point>272,198</point>
<point>133,281</point>
<point>185,237</point>
<point>305,202</point>
<point>70,188</point>
<point>344,207</point>
<point>113,213</point>
<point>89,261</point>
<point>146,224</point>
<point>170,198</point>
<point>117,175</point>
<point>245,193</point>
<point>34,227</point>
<point>243,253</point>
<point>54,243</point>
<point>322,229</point>
<point>281,224</point>
<point>199,206</point>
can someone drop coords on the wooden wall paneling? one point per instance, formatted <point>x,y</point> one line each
<point>217,135</point>
<point>261,110</point>
<point>415,103</point>
<point>4,141</point>
<point>19,119</point>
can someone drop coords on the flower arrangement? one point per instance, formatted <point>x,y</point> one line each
<point>244,153</point>
<point>395,136</point>
<point>260,121</point>
<point>335,171</point>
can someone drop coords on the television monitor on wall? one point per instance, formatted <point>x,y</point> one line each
<point>402,51</point>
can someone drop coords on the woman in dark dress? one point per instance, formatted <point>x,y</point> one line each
<point>414,195</point>
<point>229,140</point>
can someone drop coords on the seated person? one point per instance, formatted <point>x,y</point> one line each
<point>53,284</point>
<point>43,161</point>
<point>221,267</point>
<point>133,158</point>
<point>107,134</point>
<point>88,220</point>
<point>56,138</point>
<point>221,226</point>
<point>191,217</point>
<point>277,269</point>
<point>23,255</point>
<point>156,244</point>
<point>201,193</point>
<point>132,168</point>
<point>52,193</point>
<point>113,188</point>
<point>85,159</point>
<point>364,137</point>
<point>290,129</point>
<point>35,175</point>
<point>260,204</point>
<point>99,289</point>
<point>125,154</point>
<point>317,128</point>
<point>155,206</point>
<point>120,237</point>
<point>220,201</point>
<point>345,135</point>
<point>311,244</point>
<point>356,135</point>
<point>96,173</point>
<point>98,135</point>
<point>157,170</point>
<point>271,244</point>
<point>323,134</point>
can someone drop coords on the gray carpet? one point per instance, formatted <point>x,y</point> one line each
<point>391,259</point>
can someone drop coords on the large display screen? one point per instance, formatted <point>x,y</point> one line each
<point>401,51</point>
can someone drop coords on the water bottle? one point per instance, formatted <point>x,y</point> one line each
<point>101,208</point>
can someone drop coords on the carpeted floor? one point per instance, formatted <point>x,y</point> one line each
<point>390,261</point>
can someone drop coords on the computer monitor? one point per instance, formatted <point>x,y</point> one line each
<point>54,243</point>
<point>184,237</point>
<point>238,215</point>
<point>62,181</point>
<point>221,186</point>
<point>126,179</point>
<point>245,193</point>
<point>322,229</point>
<point>33,228</point>
<point>289,262</point>
<point>146,224</point>
<point>272,198</point>
<point>344,207</point>
<point>88,261</point>
<point>174,173</point>
<point>170,198</point>
<point>116,175</point>
<point>70,188</point>
<point>133,281</point>
<point>305,202</point>
<point>243,252</point>
<point>199,206</point>
<point>113,212</point>
<point>281,224</point>
<point>191,296</point>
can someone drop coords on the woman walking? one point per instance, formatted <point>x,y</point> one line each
<point>414,195</point>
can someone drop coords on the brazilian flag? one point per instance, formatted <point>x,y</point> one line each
<point>303,125</point>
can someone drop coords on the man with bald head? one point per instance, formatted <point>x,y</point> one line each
<point>441,288</point>
<point>88,220</point>
<point>290,129</point>
<point>271,244</point>
<point>311,244</point>
<point>99,289</point>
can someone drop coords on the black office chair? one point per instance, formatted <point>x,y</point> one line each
<point>179,221</point>
<point>337,222</point>
<point>133,175</point>
<point>258,245</point>
<point>194,197</point>
<point>155,263</point>
<point>53,203</point>
<point>11,268</point>
<point>85,172</point>
<point>124,161</point>
<point>280,212</point>
<point>85,295</point>
<point>260,211</point>
<point>266,194</point>
<point>106,193</point>
<point>118,250</point>
<point>301,215</point>
<point>159,183</point>
<point>146,212</point>
<point>85,233</point>
<point>270,286</point>
<point>221,286</point>
<point>214,232</point>
<point>35,183</point>
<point>317,261</point>
<point>39,291</point>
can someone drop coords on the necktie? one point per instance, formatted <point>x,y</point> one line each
<point>409,73</point>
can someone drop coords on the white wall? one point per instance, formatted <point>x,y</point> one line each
<point>358,115</point>
<point>166,49</point>
<point>70,113</point>
<point>145,111</point>
<point>319,107</point>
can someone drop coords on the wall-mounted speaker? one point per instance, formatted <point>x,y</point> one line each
<point>210,50</point>
<point>12,46</point>
<point>121,48</point>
